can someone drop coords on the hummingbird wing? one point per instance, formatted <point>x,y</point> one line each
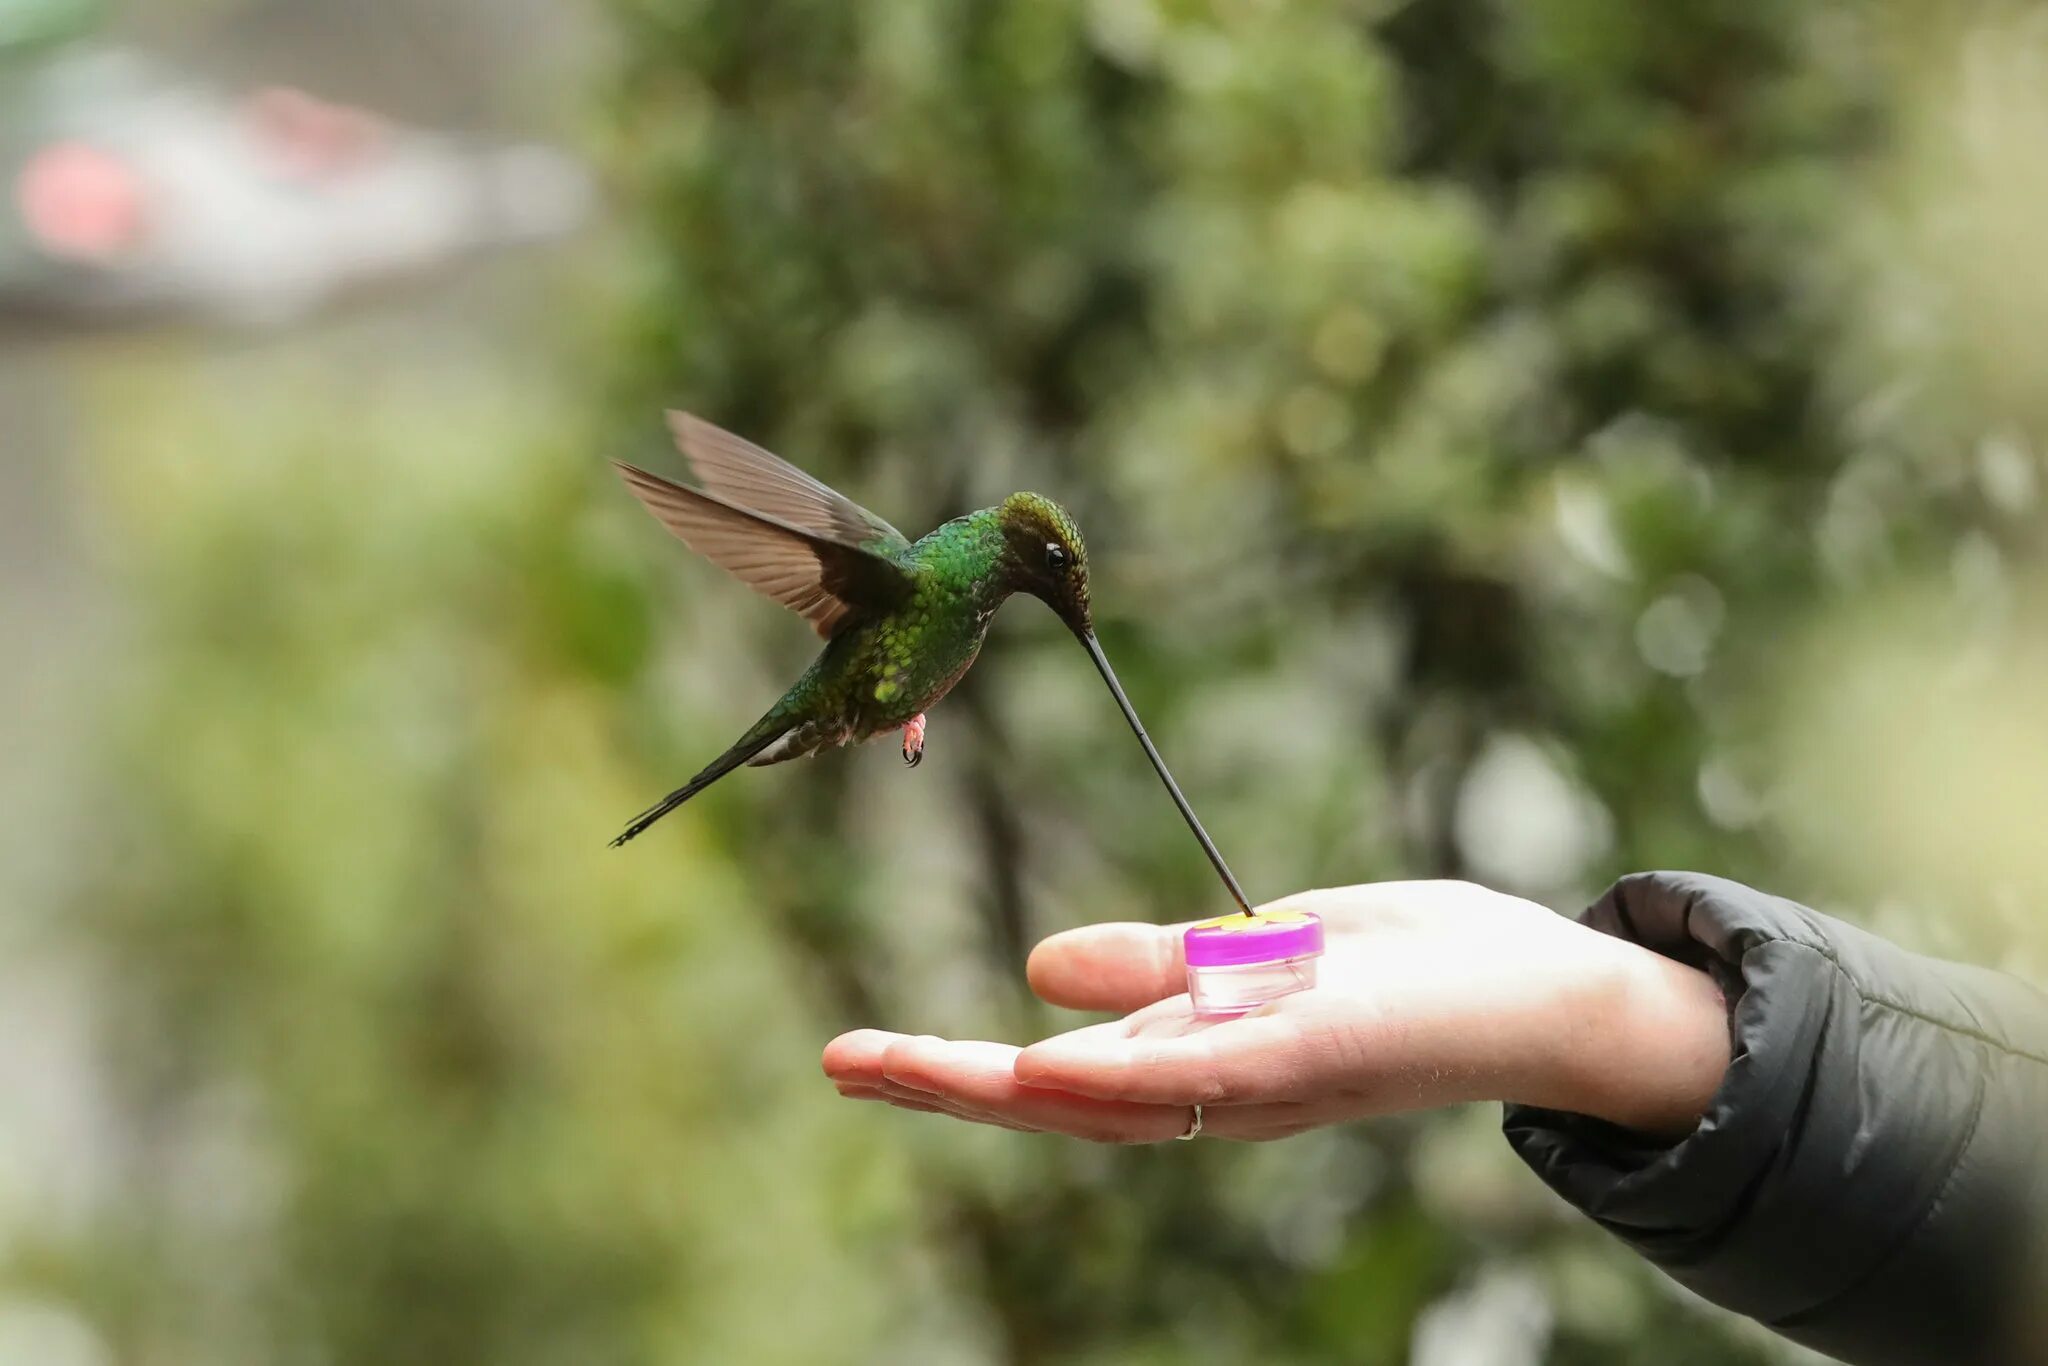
<point>817,577</point>
<point>741,473</point>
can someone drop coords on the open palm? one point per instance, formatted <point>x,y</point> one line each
<point>1430,993</point>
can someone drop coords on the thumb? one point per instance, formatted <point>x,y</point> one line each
<point>1117,966</point>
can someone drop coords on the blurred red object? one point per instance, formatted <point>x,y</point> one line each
<point>311,137</point>
<point>81,203</point>
<point>140,193</point>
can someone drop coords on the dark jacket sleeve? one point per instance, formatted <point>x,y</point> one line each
<point>1871,1177</point>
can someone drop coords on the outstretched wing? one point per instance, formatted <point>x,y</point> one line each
<point>743,474</point>
<point>819,578</point>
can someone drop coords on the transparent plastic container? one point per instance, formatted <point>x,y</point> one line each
<point>1237,963</point>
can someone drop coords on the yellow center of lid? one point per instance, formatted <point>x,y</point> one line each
<point>1257,921</point>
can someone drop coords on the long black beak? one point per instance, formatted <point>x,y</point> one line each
<point>1187,812</point>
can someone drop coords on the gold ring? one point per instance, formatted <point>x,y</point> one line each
<point>1194,1125</point>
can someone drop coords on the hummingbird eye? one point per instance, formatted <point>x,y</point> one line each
<point>1055,557</point>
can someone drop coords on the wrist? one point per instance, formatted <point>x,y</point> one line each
<point>1648,1045</point>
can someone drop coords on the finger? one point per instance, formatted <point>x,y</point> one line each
<point>854,1061</point>
<point>975,1082</point>
<point>1115,966</point>
<point>856,1057</point>
<point>1264,1123</point>
<point>903,1098</point>
<point>981,1078</point>
<point>1166,1056</point>
<point>904,1101</point>
<point>1238,1123</point>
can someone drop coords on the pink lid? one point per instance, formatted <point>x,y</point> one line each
<point>1234,940</point>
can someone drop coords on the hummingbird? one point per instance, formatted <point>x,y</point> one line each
<point>902,620</point>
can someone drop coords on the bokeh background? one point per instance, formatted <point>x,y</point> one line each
<point>1524,441</point>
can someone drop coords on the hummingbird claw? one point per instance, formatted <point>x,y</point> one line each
<point>913,741</point>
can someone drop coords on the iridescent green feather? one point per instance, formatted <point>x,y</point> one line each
<point>904,620</point>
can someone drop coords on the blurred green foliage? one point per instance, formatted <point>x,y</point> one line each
<point>29,26</point>
<point>1468,404</point>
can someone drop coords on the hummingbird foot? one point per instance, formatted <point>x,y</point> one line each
<point>913,741</point>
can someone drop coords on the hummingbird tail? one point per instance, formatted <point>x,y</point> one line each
<point>749,745</point>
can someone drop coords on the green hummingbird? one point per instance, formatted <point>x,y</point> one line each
<point>902,620</point>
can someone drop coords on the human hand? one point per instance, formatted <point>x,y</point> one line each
<point>1429,994</point>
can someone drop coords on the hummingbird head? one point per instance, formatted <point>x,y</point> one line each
<point>1044,556</point>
